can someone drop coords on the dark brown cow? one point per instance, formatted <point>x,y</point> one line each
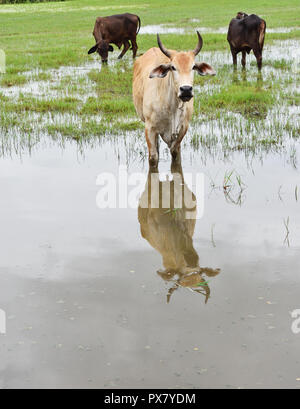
<point>246,33</point>
<point>119,30</point>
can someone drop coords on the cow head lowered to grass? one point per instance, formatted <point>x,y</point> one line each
<point>163,92</point>
<point>102,48</point>
<point>120,30</point>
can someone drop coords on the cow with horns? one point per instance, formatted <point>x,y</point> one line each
<point>163,94</point>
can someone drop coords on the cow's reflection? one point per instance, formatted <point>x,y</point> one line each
<point>167,215</point>
<point>238,79</point>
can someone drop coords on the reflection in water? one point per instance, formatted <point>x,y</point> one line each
<point>170,229</point>
<point>244,79</point>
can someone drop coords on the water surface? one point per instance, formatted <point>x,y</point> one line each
<point>85,303</point>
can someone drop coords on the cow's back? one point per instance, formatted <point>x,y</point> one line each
<point>251,23</point>
<point>244,26</point>
<point>118,26</point>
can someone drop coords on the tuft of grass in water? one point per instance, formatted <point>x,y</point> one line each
<point>31,104</point>
<point>247,99</point>
<point>11,79</point>
<point>113,81</point>
<point>281,64</point>
<point>88,128</point>
<point>85,130</point>
<point>42,76</point>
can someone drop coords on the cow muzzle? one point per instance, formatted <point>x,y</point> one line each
<point>186,93</point>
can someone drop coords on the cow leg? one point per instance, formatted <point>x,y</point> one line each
<point>126,47</point>
<point>134,47</point>
<point>152,142</point>
<point>234,58</point>
<point>244,59</point>
<point>258,54</point>
<point>175,147</point>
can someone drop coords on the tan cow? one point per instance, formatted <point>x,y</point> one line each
<point>163,92</point>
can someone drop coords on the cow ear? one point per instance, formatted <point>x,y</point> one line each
<point>93,49</point>
<point>161,71</point>
<point>110,48</point>
<point>204,69</point>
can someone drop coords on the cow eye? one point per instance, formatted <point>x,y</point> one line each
<point>173,68</point>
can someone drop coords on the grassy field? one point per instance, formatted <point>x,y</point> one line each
<point>40,38</point>
<point>46,35</point>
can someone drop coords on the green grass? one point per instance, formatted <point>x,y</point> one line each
<point>246,99</point>
<point>10,79</point>
<point>48,35</point>
<point>27,104</point>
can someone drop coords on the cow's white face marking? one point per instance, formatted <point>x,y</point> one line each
<point>183,74</point>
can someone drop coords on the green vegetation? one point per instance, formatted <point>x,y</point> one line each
<point>25,1</point>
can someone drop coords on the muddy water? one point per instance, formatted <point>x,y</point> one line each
<point>86,306</point>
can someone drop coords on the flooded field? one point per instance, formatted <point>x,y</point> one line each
<point>170,29</point>
<point>133,297</point>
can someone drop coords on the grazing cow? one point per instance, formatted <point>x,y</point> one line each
<point>246,33</point>
<point>119,30</point>
<point>163,92</point>
<point>169,230</point>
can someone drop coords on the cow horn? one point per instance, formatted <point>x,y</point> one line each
<point>162,48</point>
<point>199,45</point>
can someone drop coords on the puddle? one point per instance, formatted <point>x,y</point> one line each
<point>161,29</point>
<point>74,275</point>
<point>165,29</point>
<point>111,288</point>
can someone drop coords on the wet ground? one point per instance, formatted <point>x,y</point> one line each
<point>88,294</point>
<point>169,29</point>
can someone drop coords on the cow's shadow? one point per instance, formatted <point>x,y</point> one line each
<point>167,215</point>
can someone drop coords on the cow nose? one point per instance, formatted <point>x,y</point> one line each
<point>186,89</point>
<point>186,93</point>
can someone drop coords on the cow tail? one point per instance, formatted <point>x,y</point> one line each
<point>139,25</point>
<point>262,34</point>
